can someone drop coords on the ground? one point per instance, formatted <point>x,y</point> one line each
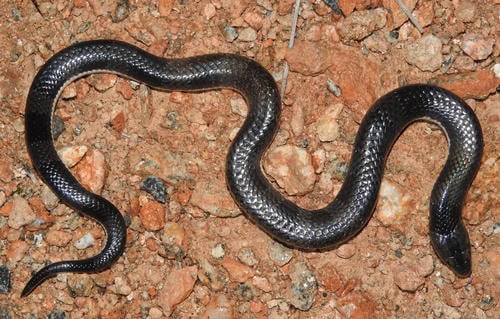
<point>197,255</point>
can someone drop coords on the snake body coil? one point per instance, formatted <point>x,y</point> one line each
<point>280,218</point>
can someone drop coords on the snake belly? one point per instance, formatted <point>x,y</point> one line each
<point>283,220</point>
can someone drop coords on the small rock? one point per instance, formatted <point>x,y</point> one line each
<point>58,238</point>
<point>248,35</point>
<point>292,168</point>
<point>4,279</point>
<point>91,171</point>
<point>58,126</point>
<point>6,165</point>
<point>214,198</point>
<point>392,203</point>
<point>48,198</point>
<point>120,11</point>
<point>425,266</point>
<point>465,10</point>
<point>239,106</point>
<point>425,53</point>
<point>444,311</point>
<point>177,287</point>
<point>80,286</point>
<point>69,91</point>
<point>230,33</point>
<point>361,24</point>
<point>56,314</point>
<point>103,82</point>
<point>71,155</point>
<point>327,126</point>
<point>473,85</point>
<point>476,46</point>
<point>121,286</point>
<point>210,276</point>
<point>152,215</point>
<point>86,241</point>
<point>156,187</point>
<point>118,122</point>
<point>155,313</point>
<point>493,257</point>
<point>219,308</point>
<point>398,16</point>
<point>316,61</point>
<point>237,271</point>
<point>218,251</point>
<point>346,251</point>
<point>209,11</point>
<point>16,251</point>
<point>358,305</point>
<point>262,283</point>
<point>255,20</point>
<point>330,279</point>
<point>246,256</point>
<point>279,254</point>
<point>407,279</point>
<point>165,7</point>
<point>303,289</point>
<point>3,198</point>
<point>21,213</point>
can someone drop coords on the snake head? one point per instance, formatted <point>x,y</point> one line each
<point>454,249</point>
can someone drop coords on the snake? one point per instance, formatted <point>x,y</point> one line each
<point>308,230</point>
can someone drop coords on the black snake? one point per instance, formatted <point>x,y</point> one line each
<point>280,218</point>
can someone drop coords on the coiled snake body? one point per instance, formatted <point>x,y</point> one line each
<point>280,218</point>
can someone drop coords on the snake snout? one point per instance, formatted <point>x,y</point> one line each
<point>454,249</point>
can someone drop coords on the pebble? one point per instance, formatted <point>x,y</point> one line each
<point>156,187</point>
<point>247,35</point>
<point>165,7</point>
<point>3,198</point>
<point>230,33</point>
<point>6,165</point>
<point>91,171</point>
<point>214,198</point>
<point>48,198</point>
<point>327,126</point>
<point>16,251</point>
<point>316,61</point>
<point>237,271</point>
<point>279,254</point>
<point>465,10</point>
<point>209,11</point>
<point>246,256</point>
<point>103,82</point>
<point>21,213</point>
<point>444,311</point>
<point>262,283</point>
<point>361,24</point>
<point>292,168</point>
<point>210,276</point>
<point>477,46</point>
<point>346,251</point>
<point>81,285</point>
<point>473,85</point>
<point>152,215</point>
<point>71,155</point>
<point>4,279</point>
<point>155,313</point>
<point>58,238</point>
<point>425,266</point>
<point>303,288</point>
<point>407,278</point>
<point>58,126</point>
<point>56,314</point>
<point>85,241</point>
<point>219,307</point>
<point>392,203</point>
<point>218,251</point>
<point>398,16</point>
<point>121,286</point>
<point>425,53</point>
<point>239,106</point>
<point>178,285</point>
<point>330,279</point>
